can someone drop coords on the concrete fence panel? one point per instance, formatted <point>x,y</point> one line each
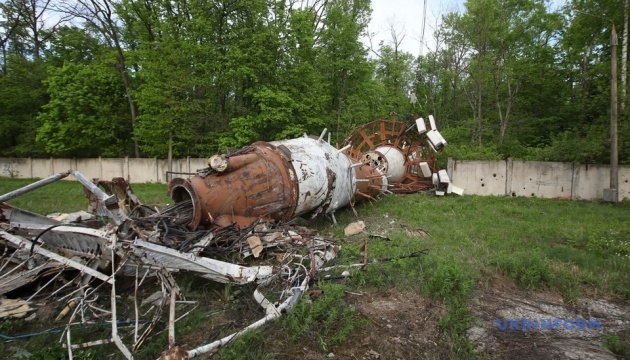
<point>42,168</point>
<point>197,164</point>
<point>111,168</point>
<point>502,177</point>
<point>589,181</point>
<point>89,167</point>
<point>542,179</point>
<point>480,177</point>
<point>142,170</point>
<point>536,178</point>
<point>624,182</point>
<point>61,165</point>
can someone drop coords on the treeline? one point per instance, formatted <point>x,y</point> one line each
<point>87,78</point>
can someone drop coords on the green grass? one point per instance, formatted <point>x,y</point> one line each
<point>537,242</point>
<point>67,196</point>
<point>573,248</point>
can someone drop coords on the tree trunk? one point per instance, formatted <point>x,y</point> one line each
<point>504,118</point>
<point>35,28</point>
<point>110,27</point>
<point>4,59</point>
<point>170,151</point>
<point>624,56</point>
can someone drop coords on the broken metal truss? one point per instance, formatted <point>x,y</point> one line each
<point>229,223</point>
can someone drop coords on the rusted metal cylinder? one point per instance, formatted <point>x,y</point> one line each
<point>264,186</point>
<point>275,181</point>
<point>371,182</point>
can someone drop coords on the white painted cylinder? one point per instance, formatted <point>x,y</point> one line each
<point>325,176</point>
<point>395,162</point>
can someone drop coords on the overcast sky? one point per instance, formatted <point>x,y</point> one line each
<point>406,17</point>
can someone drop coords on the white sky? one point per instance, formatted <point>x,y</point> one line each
<point>406,17</point>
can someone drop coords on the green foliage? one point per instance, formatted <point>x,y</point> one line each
<point>21,97</point>
<point>327,319</point>
<point>275,120</point>
<point>619,347</point>
<point>85,114</point>
<point>530,269</point>
<point>450,282</point>
<point>506,79</point>
<point>250,346</point>
<point>73,45</point>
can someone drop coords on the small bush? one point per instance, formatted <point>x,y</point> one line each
<point>618,346</point>
<point>326,319</point>
<point>530,270</point>
<point>250,346</point>
<point>449,282</point>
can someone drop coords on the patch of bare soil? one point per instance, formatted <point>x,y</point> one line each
<point>492,336</point>
<point>402,325</point>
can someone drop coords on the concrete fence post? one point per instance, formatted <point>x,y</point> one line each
<point>509,168</point>
<point>575,180</point>
<point>450,168</point>
<point>100,167</point>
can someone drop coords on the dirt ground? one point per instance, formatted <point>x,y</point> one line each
<point>508,302</point>
<point>404,325</point>
<point>401,325</point>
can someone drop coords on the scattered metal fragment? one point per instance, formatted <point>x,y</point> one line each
<point>230,223</point>
<point>142,243</point>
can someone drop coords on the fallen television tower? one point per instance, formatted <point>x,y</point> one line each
<point>307,176</point>
<point>229,224</point>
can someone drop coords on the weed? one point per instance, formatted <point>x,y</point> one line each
<point>618,346</point>
<point>530,269</point>
<point>328,319</point>
<point>449,282</point>
<point>250,346</point>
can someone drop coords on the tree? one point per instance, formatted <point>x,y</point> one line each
<point>85,116</point>
<point>74,45</point>
<point>21,96</point>
<point>100,15</point>
<point>353,97</point>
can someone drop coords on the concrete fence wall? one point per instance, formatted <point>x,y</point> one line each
<point>135,170</point>
<point>509,177</point>
<point>536,178</point>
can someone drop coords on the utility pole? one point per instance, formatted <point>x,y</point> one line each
<point>613,193</point>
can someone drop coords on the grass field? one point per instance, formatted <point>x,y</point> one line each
<point>67,196</point>
<point>573,249</point>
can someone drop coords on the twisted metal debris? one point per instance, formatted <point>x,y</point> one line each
<point>229,223</point>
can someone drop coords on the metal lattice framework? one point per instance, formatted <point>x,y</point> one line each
<point>404,137</point>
